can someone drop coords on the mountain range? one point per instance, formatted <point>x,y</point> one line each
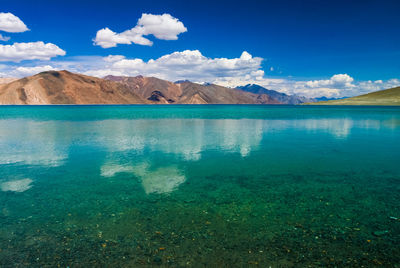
<point>158,91</point>
<point>280,97</point>
<point>64,87</point>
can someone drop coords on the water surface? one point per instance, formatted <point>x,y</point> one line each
<point>198,185</point>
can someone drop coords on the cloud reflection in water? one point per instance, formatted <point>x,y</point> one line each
<point>48,143</point>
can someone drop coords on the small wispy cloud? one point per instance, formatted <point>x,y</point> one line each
<point>4,38</point>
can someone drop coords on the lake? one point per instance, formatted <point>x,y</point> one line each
<point>219,185</point>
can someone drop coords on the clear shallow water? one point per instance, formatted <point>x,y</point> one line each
<point>195,185</point>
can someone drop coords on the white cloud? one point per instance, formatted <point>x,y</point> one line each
<point>340,85</point>
<point>107,38</point>
<point>369,86</point>
<point>337,86</point>
<point>114,58</point>
<point>299,89</point>
<point>336,81</point>
<point>188,64</point>
<point>27,71</point>
<point>29,51</point>
<point>4,38</point>
<point>23,51</point>
<point>11,23</point>
<point>163,27</point>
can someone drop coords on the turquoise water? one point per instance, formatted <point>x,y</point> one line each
<point>225,186</point>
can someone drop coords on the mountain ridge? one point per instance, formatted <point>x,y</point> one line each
<point>161,91</point>
<point>279,96</point>
<point>64,87</point>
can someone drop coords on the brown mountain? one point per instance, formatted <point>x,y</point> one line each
<point>160,91</point>
<point>151,88</point>
<point>63,87</point>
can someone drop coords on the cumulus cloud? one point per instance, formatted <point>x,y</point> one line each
<point>336,81</point>
<point>11,23</point>
<point>368,86</point>
<point>23,51</point>
<point>107,38</point>
<point>113,58</point>
<point>339,85</point>
<point>336,86</point>
<point>164,27</point>
<point>188,64</point>
<point>29,51</point>
<point>27,71</point>
<point>4,38</point>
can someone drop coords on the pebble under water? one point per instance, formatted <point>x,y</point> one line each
<point>213,185</point>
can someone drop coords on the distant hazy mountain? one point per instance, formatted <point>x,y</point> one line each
<point>181,81</point>
<point>160,91</point>
<point>7,80</point>
<point>383,97</point>
<point>63,87</point>
<point>278,96</point>
<point>326,99</point>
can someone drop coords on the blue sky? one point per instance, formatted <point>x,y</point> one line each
<point>298,45</point>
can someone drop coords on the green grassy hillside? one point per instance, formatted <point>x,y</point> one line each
<point>384,97</point>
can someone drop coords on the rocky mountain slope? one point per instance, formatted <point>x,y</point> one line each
<point>63,87</point>
<point>161,91</point>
